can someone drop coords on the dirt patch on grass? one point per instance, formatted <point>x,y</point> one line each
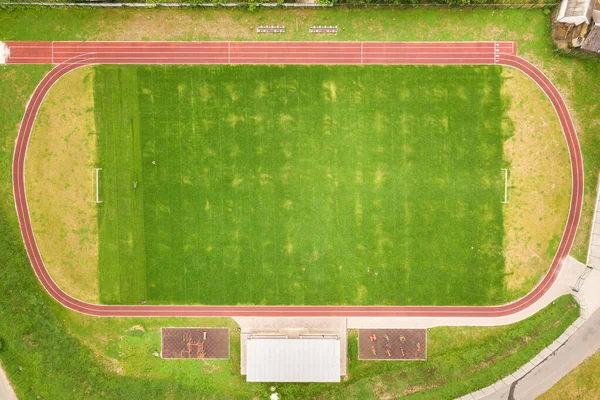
<point>60,185</point>
<point>181,24</point>
<point>540,173</point>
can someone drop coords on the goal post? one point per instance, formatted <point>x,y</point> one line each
<point>98,201</point>
<point>506,184</point>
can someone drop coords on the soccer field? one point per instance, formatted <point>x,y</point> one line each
<point>300,185</point>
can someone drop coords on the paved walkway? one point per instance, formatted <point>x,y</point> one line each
<point>6,390</point>
<point>584,342</point>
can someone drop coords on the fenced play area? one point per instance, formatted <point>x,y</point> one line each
<point>392,344</point>
<point>198,343</point>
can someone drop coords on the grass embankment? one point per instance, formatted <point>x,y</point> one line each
<point>460,360</point>
<point>301,185</point>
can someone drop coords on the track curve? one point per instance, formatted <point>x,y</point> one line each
<point>72,55</point>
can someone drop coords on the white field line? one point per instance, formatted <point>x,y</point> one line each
<point>361,52</point>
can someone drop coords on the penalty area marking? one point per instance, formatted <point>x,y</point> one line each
<point>506,178</point>
<point>98,201</point>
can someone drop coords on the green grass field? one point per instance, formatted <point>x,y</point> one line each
<point>300,185</point>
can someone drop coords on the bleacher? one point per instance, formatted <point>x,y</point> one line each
<point>270,29</point>
<point>323,29</point>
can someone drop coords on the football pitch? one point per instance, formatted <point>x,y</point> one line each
<point>377,185</point>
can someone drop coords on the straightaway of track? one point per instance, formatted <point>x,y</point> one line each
<point>72,55</point>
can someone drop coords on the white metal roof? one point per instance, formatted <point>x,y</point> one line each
<point>293,360</point>
<point>575,12</point>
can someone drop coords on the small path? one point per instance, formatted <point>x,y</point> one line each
<point>6,390</point>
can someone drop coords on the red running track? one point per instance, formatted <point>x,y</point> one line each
<point>72,55</point>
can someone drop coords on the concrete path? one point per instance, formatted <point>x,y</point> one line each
<point>584,342</point>
<point>6,390</point>
<point>593,257</point>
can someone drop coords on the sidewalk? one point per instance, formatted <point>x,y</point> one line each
<point>6,390</point>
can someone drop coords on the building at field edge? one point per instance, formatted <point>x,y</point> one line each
<point>308,358</point>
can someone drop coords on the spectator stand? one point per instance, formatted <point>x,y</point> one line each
<point>324,29</point>
<point>270,29</point>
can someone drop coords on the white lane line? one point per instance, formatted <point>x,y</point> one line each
<point>361,52</point>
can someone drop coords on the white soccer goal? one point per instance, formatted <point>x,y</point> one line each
<point>98,201</point>
<point>506,184</point>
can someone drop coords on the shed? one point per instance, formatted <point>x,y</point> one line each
<point>575,12</point>
<point>279,359</point>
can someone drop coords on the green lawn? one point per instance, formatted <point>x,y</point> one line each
<point>300,185</point>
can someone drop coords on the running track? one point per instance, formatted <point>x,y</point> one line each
<point>71,55</point>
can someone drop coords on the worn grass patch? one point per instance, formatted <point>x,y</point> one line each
<point>301,185</point>
<point>60,184</point>
<point>540,179</point>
